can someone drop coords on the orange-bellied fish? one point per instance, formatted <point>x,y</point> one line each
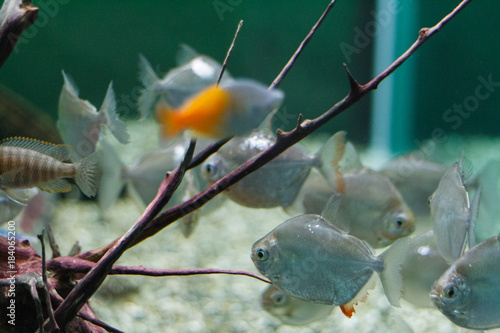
<point>27,163</point>
<point>80,123</point>
<point>219,111</point>
<point>195,73</point>
<point>311,259</point>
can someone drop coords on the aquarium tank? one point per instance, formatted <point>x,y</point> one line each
<point>247,166</point>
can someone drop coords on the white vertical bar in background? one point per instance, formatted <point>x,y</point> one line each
<point>382,106</point>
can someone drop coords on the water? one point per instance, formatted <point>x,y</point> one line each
<point>455,101</point>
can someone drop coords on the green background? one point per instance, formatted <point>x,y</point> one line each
<point>99,41</point>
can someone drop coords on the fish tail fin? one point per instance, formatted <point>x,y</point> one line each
<point>149,80</point>
<point>337,155</point>
<point>170,121</point>
<point>111,183</point>
<point>87,175</point>
<point>391,278</point>
<point>115,124</point>
<point>489,211</point>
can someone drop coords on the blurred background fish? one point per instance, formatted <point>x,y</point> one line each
<point>195,73</point>
<point>451,211</point>
<point>423,265</point>
<point>278,182</point>
<point>231,108</point>
<point>290,310</point>
<point>80,123</point>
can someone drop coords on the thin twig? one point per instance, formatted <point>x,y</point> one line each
<point>48,304</point>
<point>52,242</point>
<point>301,47</point>
<point>224,64</point>
<point>99,323</point>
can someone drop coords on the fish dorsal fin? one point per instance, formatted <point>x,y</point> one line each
<point>59,152</point>
<point>350,160</point>
<point>70,84</point>
<point>466,167</point>
<point>361,296</point>
<point>185,54</point>
<point>334,213</point>
<point>266,126</point>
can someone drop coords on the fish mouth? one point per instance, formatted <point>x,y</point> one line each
<point>434,295</point>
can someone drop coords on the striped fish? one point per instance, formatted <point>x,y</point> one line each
<point>27,163</point>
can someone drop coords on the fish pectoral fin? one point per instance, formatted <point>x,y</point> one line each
<point>20,196</point>
<point>59,185</point>
<point>348,309</point>
<point>361,296</point>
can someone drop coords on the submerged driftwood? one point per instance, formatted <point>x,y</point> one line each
<point>15,17</point>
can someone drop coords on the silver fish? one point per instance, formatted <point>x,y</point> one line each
<point>80,123</point>
<point>27,163</point>
<point>275,184</point>
<point>195,72</point>
<point>423,266</point>
<point>376,210</point>
<point>144,177</point>
<point>416,179</point>
<point>451,213</point>
<point>311,259</point>
<point>290,310</point>
<point>468,293</point>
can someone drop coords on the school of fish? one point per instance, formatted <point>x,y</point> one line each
<point>349,224</point>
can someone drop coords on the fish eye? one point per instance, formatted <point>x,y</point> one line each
<point>450,291</point>
<point>278,298</point>
<point>429,200</point>
<point>261,254</point>
<point>400,222</point>
<point>210,168</point>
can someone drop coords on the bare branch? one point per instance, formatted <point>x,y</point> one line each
<point>224,65</point>
<point>301,47</point>
<point>52,322</point>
